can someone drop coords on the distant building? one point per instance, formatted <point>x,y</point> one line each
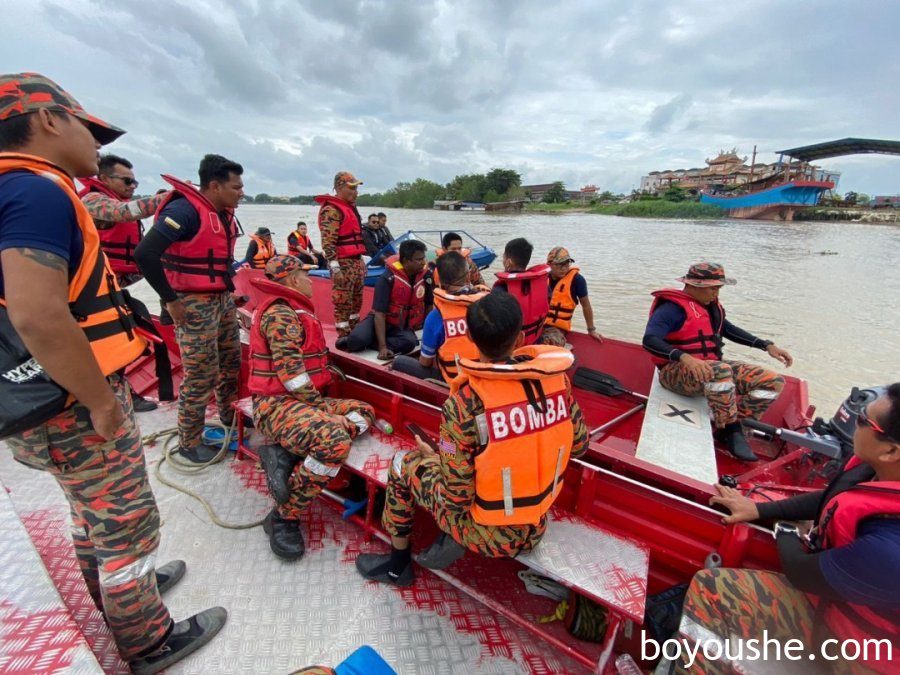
<point>536,192</point>
<point>885,201</point>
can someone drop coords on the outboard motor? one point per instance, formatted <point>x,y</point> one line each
<point>832,438</point>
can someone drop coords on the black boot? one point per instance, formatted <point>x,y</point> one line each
<point>186,637</point>
<point>278,465</point>
<point>200,454</point>
<point>169,574</point>
<point>733,437</point>
<point>383,568</point>
<point>443,552</point>
<point>141,404</point>
<point>285,538</point>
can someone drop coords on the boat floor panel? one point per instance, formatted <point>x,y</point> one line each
<point>282,616</point>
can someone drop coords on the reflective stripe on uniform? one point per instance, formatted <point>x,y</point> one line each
<point>295,383</point>
<point>718,386</point>
<point>320,469</point>
<point>766,394</point>
<point>139,568</point>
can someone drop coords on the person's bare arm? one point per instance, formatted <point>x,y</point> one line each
<point>36,289</point>
<point>588,311</point>
<point>381,337</point>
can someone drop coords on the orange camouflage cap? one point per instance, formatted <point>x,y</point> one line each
<point>23,93</point>
<point>342,178</point>
<point>705,274</point>
<point>559,255</point>
<point>280,266</point>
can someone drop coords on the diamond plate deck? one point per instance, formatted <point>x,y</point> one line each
<point>609,568</point>
<point>37,632</point>
<point>282,616</point>
<point>677,435</point>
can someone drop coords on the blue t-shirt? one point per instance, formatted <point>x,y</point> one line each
<point>578,289</point>
<point>865,571</point>
<point>185,217</point>
<point>432,333</point>
<point>36,213</point>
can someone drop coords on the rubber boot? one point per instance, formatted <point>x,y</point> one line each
<point>736,443</point>
<point>187,636</point>
<point>278,465</point>
<point>376,567</point>
<point>285,538</point>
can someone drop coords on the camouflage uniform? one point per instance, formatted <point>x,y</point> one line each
<point>475,278</point>
<point>741,603</point>
<point>107,212</point>
<point>347,287</point>
<point>737,390</point>
<point>115,519</point>
<point>210,348</point>
<point>444,483</point>
<point>302,421</point>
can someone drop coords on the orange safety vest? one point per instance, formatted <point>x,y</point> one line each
<point>519,473</point>
<point>265,250</point>
<point>300,244</point>
<point>95,299</point>
<point>457,343</point>
<point>464,252</point>
<point>562,304</point>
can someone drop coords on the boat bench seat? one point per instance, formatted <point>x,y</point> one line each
<point>677,434</point>
<point>607,568</point>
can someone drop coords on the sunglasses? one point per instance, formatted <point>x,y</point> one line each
<point>128,181</point>
<point>864,420</point>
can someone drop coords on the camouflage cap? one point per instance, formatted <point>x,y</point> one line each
<point>342,178</point>
<point>280,266</point>
<point>704,274</point>
<point>23,93</point>
<point>559,255</point>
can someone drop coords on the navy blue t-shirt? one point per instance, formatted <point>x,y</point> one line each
<point>178,221</point>
<point>36,213</point>
<point>578,289</point>
<point>865,570</point>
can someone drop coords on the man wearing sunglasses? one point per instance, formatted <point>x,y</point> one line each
<point>108,198</point>
<point>839,582</point>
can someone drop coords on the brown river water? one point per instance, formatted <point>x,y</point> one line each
<point>834,313</point>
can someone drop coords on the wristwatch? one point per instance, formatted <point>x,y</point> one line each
<point>784,527</point>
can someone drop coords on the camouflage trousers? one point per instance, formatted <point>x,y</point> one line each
<point>347,294</point>
<point>415,480</point>
<point>737,390</point>
<point>311,433</point>
<point>114,516</point>
<point>210,348</point>
<point>553,336</point>
<point>742,603</point>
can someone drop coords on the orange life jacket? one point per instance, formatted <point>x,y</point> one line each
<point>299,244</point>
<point>464,252</point>
<point>697,336</point>
<point>265,250</point>
<point>119,241</point>
<point>530,288</point>
<point>203,263</point>
<point>457,343</point>
<point>349,240</point>
<point>264,379</point>
<point>95,299</point>
<point>519,473</point>
<point>837,524</point>
<point>407,305</point>
<point>562,304</point>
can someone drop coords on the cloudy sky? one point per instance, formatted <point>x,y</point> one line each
<point>599,92</point>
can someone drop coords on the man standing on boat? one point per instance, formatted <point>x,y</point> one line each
<point>187,259</point>
<point>288,373</point>
<point>342,243</point>
<point>509,424</point>
<point>50,255</point>
<point>685,334</point>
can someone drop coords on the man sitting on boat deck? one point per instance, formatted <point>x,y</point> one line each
<point>528,285</point>
<point>839,582</point>
<point>445,336</point>
<point>403,296</point>
<point>375,237</point>
<point>685,333</point>
<point>288,373</point>
<point>454,242</point>
<point>568,289</point>
<point>261,248</point>
<point>508,429</point>
<point>298,241</point>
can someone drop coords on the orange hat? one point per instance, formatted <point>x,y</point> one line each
<point>23,93</point>
<point>342,178</point>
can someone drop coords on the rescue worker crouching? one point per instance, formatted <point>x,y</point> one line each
<point>445,335</point>
<point>685,335</point>
<point>508,429</point>
<point>403,296</point>
<point>528,285</point>
<point>261,249</point>
<point>288,375</point>
<point>568,289</point>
